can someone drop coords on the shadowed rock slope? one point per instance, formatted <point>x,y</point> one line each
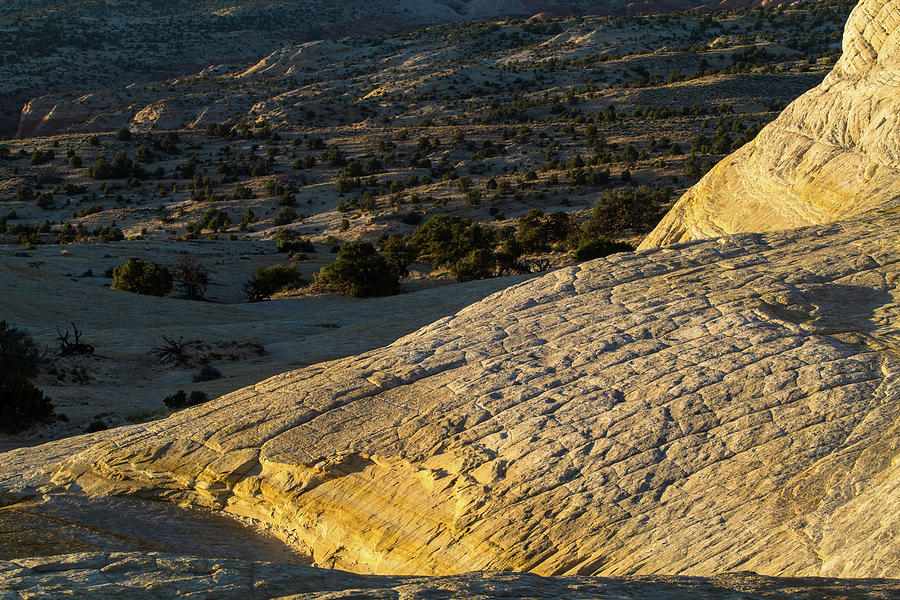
<point>834,152</point>
<point>153,575</point>
<point>722,405</point>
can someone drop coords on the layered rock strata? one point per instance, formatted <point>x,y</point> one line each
<point>730,404</point>
<point>834,152</point>
<point>153,575</point>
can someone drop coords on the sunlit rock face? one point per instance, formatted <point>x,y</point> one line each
<point>729,404</point>
<point>834,152</point>
<point>719,405</point>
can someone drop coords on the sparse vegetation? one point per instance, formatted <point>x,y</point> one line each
<point>271,280</point>
<point>182,399</point>
<point>359,271</point>
<point>512,147</point>
<point>22,404</point>
<point>191,277</point>
<point>138,277</point>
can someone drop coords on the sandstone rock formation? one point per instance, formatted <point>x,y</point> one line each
<point>285,61</point>
<point>50,114</point>
<point>154,575</point>
<point>834,152</point>
<point>725,405</point>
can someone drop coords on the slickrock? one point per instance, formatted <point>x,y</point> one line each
<point>730,404</point>
<point>834,152</point>
<point>155,575</point>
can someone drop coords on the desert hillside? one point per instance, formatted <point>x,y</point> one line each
<point>831,154</point>
<point>724,405</point>
<point>51,47</point>
<point>525,144</point>
<point>716,417</point>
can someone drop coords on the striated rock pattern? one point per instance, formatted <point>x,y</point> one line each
<point>834,152</point>
<point>48,115</point>
<point>152,575</point>
<point>731,404</point>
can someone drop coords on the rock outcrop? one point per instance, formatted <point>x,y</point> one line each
<point>726,404</point>
<point>48,115</point>
<point>833,153</point>
<point>731,404</point>
<point>153,575</point>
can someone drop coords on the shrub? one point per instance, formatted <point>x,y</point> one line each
<point>18,352</point>
<point>359,271</point>
<point>181,399</point>
<point>445,239</point>
<point>74,347</point>
<point>47,175</point>
<point>398,253</point>
<point>24,193</point>
<point>215,220</point>
<point>598,247</point>
<point>121,167</point>
<point>294,245</point>
<point>241,192</point>
<point>39,157</point>
<point>285,216</point>
<point>171,351</point>
<point>538,232</point>
<point>191,277</point>
<point>270,280</point>
<point>45,200</point>
<point>477,264</point>
<point>138,277</point>
<point>21,403</point>
<point>629,208</point>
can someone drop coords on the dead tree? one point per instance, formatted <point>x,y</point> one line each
<point>171,351</point>
<point>75,347</point>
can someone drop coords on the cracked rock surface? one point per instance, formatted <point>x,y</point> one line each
<point>834,152</point>
<point>730,404</point>
<point>157,576</point>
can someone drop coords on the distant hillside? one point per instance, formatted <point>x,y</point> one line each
<point>51,46</point>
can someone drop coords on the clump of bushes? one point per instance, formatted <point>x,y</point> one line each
<point>359,271</point>
<point>121,167</point>
<point>138,277</point>
<point>182,399</point>
<point>539,232</point>
<point>445,239</point>
<point>270,280</point>
<point>590,248</point>
<point>637,208</point>
<point>288,241</point>
<point>286,216</point>
<point>21,403</point>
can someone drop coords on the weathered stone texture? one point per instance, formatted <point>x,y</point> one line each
<point>727,404</point>
<point>151,576</point>
<point>834,152</point>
